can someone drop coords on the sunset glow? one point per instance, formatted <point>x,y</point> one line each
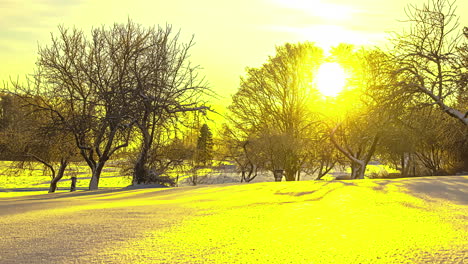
<point>331,79</point>
<point>249,131</point>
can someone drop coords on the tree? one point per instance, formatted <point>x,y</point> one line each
<point>167,157</point>
<point>441,143</point>
<point>238,147</point>
<point>30,137</point>
<point>355,144</point>
<point>204,153</point>
<point>100,87</point>
<point>430,68</point>
<point>43,144</point>
<point>167,87</point>
<point>274,105</point>
<point>321,156</point>
<point>366,120</point>
<point>84,84</point>
<point>281,154</point>
<point>398,144</point>
<point>9,114</point>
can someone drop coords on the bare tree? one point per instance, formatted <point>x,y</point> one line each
<point>52,149</point>
<point>86,85</point>
<point>429,64</point>
<point>358,148</point>
<point>321,156</point>
<point>32,138</point>
<point>367,119</point>
<point>167,86</point>
<point>238,147</point>
<point>101,87</point>
<point>274,105</point>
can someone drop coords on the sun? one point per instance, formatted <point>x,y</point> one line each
<point>330,79</point>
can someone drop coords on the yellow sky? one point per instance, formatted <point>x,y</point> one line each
<point>229,35</point>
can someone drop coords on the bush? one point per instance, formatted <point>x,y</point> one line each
<point>378,174</point>
<point>154,177</point>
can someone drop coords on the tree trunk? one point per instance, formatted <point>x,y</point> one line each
<point>278,174</point>
<point>320,173</point>
<point>243,176</point>
<point>53,184</point>
<point>353,170</point>
<point>361,171</point>
<point>139,170</point>
<point>324,169</point>
<point>58,177</point>
<point>94,183</point>
<point>358,170</point>
<point>250,173</point>
<point>290,175</point>
<point>73,184</point>
<point>358,166</point>
<point>404,167</point>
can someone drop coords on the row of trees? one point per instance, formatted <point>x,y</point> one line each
<point>28,137</point>
<point>402,107</point>
<point>132,91</point>
<point>118,87</point>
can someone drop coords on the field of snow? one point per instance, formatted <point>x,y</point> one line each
<point>419,220</point>
<point>35,180</point>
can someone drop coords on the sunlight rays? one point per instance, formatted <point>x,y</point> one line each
<point>331,79</point>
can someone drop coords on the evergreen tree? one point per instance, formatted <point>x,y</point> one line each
<point>204,146</point>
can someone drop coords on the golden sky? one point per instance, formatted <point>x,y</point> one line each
<point>229,35</point>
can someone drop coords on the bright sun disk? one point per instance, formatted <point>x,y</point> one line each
<point>331,79</point>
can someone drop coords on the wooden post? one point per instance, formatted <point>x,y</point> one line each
<point>73,184</point>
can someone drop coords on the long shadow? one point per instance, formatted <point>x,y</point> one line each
<point>300,194</point>
<point>297,194</point>
<point>39,189</point>
<point>18,205</point>
<point>104,192</point>
<point>81,191</point>
<point>164,193</point>
<point>315,199</point>
<point>78,178</point>
<point>450,188</point>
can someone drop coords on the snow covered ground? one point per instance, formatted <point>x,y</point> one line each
<point>419,220</point>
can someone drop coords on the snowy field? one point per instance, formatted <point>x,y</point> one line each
<point>419,220</point>
<point>35,181</point>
